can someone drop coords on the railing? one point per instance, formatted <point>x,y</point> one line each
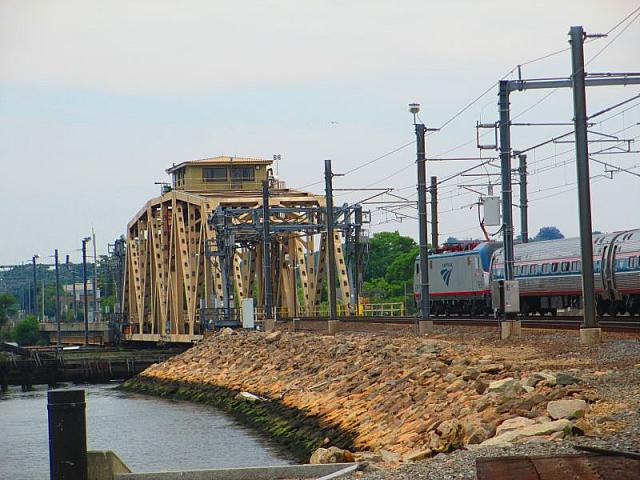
<point>391,309</point>
<point>249,185</point>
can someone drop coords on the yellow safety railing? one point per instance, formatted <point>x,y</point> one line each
<point>390,309</point>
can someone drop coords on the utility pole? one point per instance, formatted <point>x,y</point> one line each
<point>524,202</point>
<point>266,253</point>
<point>357,277</point>
<point>577,37</point>
<point>331,253</point>
<point>85,303</point>
<point>73,286</point>
<point>421,162</point>
<point>433,191</point>
<point>35,288</point>
<point>59,340</point>
<point>96,313</point>
<point>505,167</point>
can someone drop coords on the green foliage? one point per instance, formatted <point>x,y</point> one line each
<point>27,331</point>
<point>548,233</point>
<point>390,270</point>
<point>384,248</point>
<point>7,307</point>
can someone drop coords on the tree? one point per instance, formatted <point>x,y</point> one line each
<point>384,248</point>
<point>548,233</point>
<point>7,307</point>
<point>452,240</point>
<point>27,331</point>
<point>391,265</point>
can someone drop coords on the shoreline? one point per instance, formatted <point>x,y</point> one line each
<point>298,433</point>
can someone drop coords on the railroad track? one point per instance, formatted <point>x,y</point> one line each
<point>611,324</point>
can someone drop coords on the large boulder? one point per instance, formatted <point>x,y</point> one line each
<point>537,429</point>
<point>331,455</point>
<point>505,386</point>
<point>514,424</point>
<point>567,408</point>
<point>567,379</point>
<point>273,336</point>
<point>448,436</point>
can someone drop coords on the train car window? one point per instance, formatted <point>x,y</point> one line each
<point>622,263</point>
<point>525,270</point>
<point>574,266</point>
<point>564,266</point>
<point>596,266</point>
<point>535,269</point>
<point>554,267</point>
<point>516,270</point>
<point>633,261</point>
<point>545,268</point>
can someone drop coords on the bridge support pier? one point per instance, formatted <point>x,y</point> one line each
<point>294,325</point>
<point>425,327</point>
<point>590,336</point>
<point>269,325</point>
<point>333,326</point>
<point>510,329</point>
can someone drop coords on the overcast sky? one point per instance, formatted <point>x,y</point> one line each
<point>98,98</point>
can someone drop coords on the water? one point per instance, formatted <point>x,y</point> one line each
<point>147,433</point>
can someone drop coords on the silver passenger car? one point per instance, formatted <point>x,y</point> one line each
<point>549,273</point>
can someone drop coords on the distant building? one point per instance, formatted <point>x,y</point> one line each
<point>220,173</point>
<point>68,300</point>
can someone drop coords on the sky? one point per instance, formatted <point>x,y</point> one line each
<point>98,98</point>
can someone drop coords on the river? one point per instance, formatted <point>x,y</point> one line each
<point>147,433</point>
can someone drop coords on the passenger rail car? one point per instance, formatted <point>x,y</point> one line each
<point>549,273</point>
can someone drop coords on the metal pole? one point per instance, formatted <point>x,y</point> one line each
<point>96,313</point>
<point>433,191</point>
<point>582,163</point>
<point>75,298</point>
<point>422,221</point>
<point>524,201</point>
<point>505,164</point>
<point>67,435</point>
<point>59,341</point>
<point>266,252</point>
<point>357,280</point>
<point>35,288</point>
<point>331,253</point>
<point>85,304</point>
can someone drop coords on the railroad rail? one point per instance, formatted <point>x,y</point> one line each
<point>610,324</point>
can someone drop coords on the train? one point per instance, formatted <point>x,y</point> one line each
<point>548,272</point>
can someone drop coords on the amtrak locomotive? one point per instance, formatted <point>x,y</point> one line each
<point>549,274</point>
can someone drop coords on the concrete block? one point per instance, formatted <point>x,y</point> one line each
<point>294,325</point>
<point>425,327</point>
<point>333,326</point>
<point>510,329</point>
<point>269,325</point>
<point>590,336</point>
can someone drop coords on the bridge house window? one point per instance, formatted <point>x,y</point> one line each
<point>246,174</point>
<point>214,174</point>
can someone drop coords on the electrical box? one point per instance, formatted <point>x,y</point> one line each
<point>511,296</point>
<point>247,313</point>
<point>491,206</point>
<point>505,296</point>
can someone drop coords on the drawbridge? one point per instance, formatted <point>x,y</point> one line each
<point>197,251</point>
